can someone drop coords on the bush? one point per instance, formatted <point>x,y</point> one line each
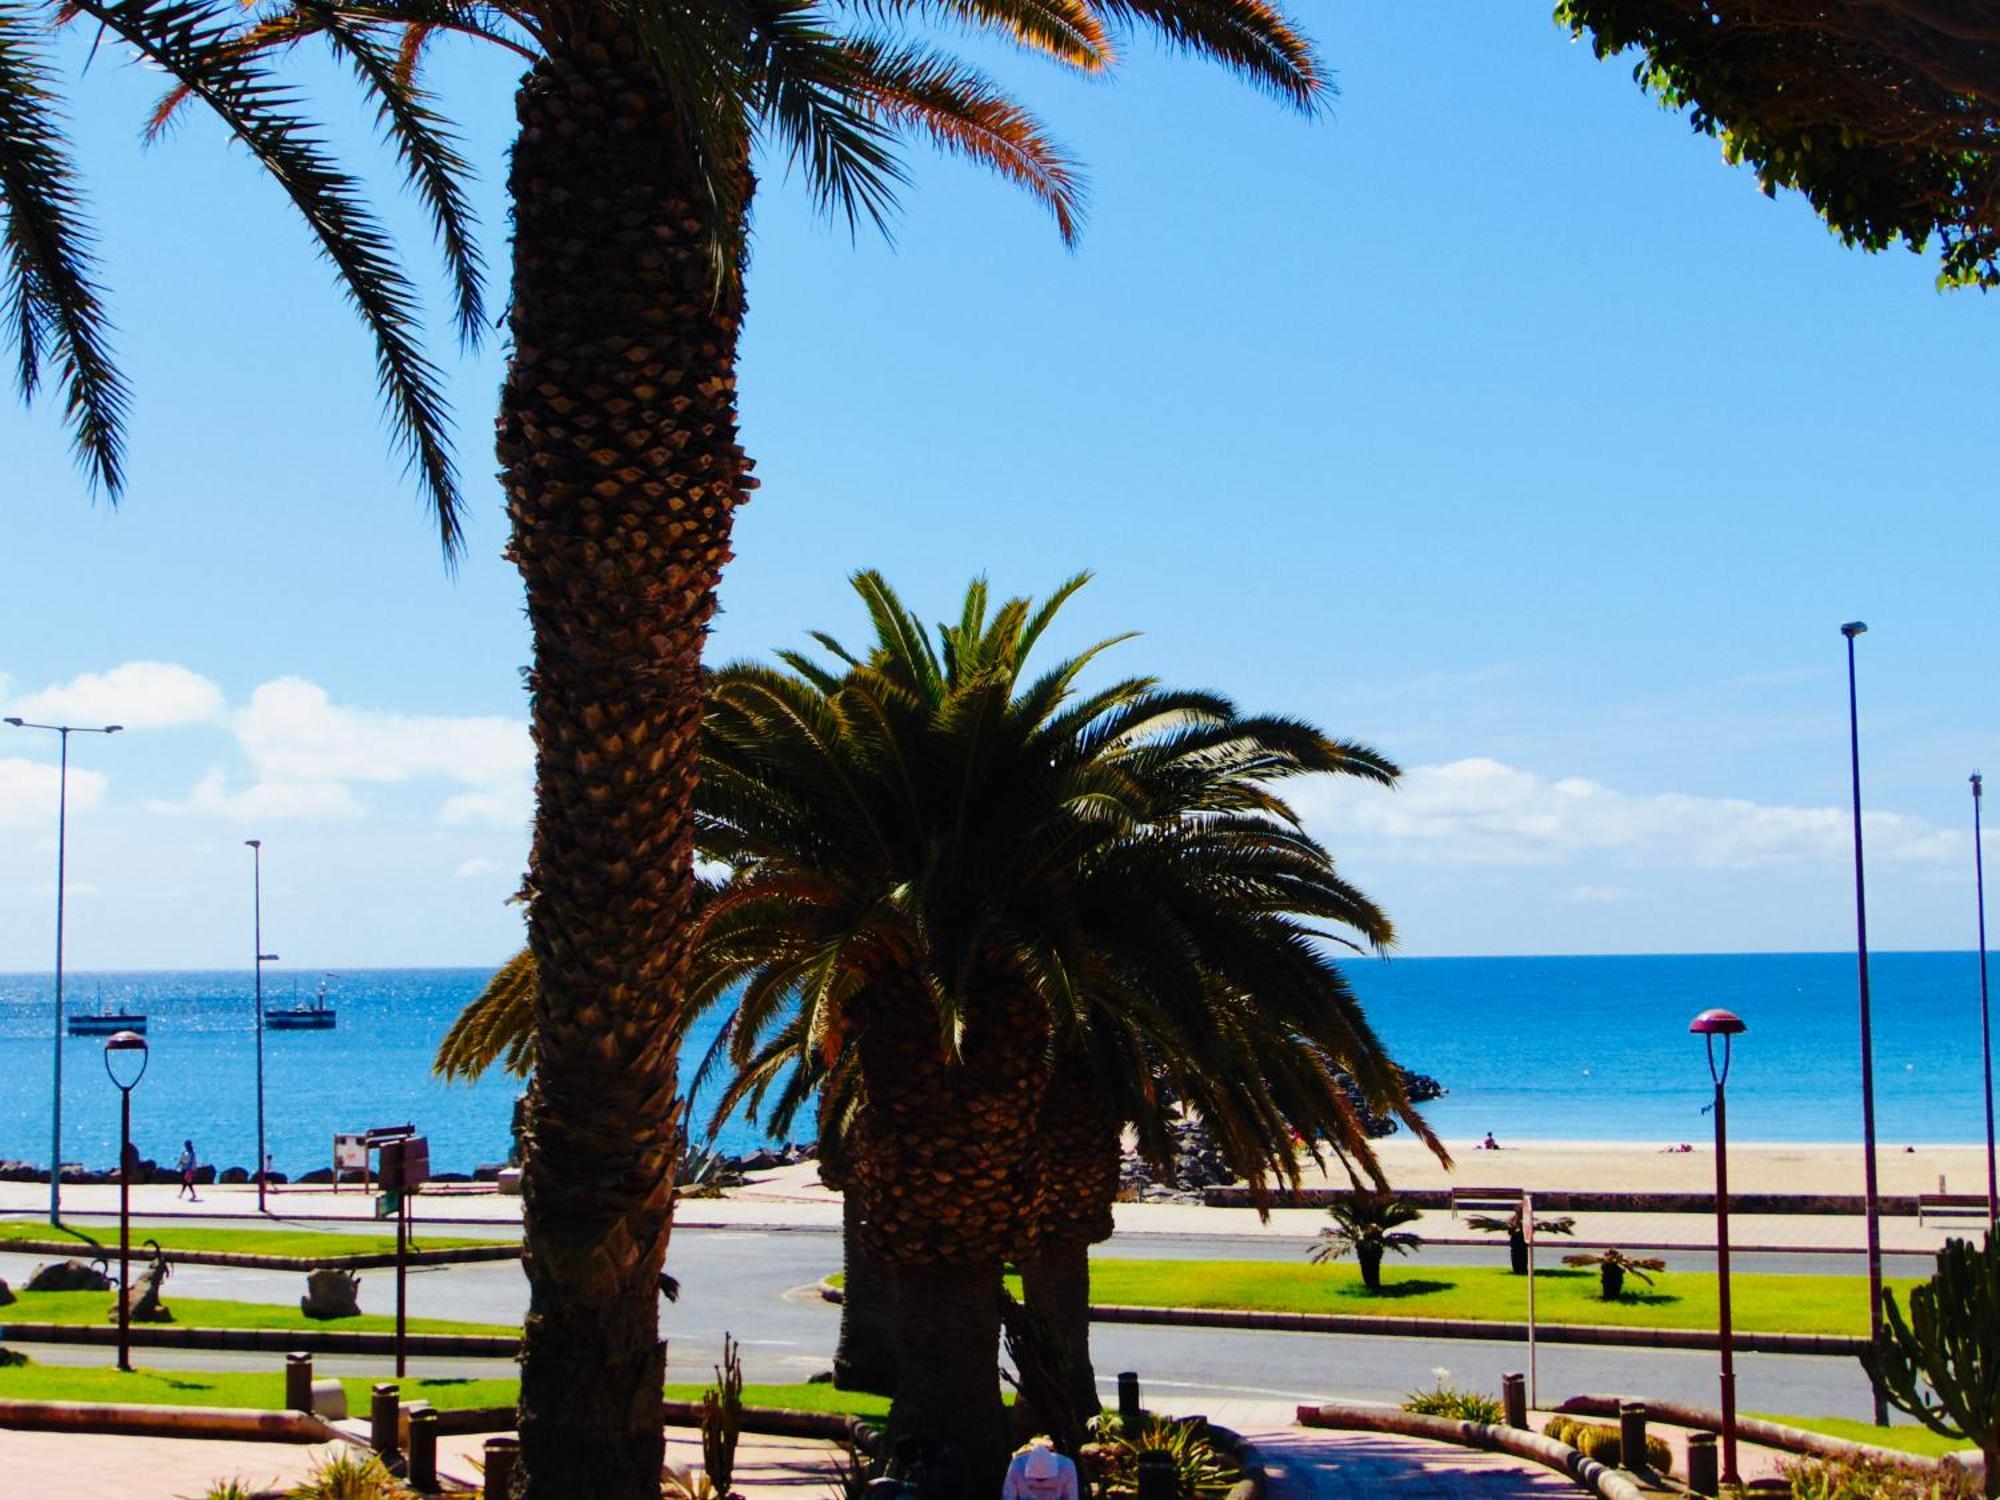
<point>228,1489</point>
<point>1595,1440</point>
<point>1201,1467</point>
<point>349,1478</point>
<point>1865,1479</point>
<point>1445,1400</point>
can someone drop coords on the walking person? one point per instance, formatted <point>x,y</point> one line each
<point>187,1165</point>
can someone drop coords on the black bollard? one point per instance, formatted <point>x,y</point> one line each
<point>1129,1409</point>
<point>1701,1463</point>
<point>384,1408</point>
<point>1514,1399</point>
<point>1632,1434</point>
<point>423,1469</point>
<point>299,1382</point>
<point>501,1454</point>
<point>1158,1478</point>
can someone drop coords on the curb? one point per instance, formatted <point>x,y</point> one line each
<point>1254,1481</point>
<point>233,1423</point>
<point>1584,1201</point>
<point>1774,1434</point>
<point>1608,1484</point>
<point>368,1261</point>
<point>275,1340</point>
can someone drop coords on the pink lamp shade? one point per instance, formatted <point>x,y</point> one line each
<point>1717,1023</point>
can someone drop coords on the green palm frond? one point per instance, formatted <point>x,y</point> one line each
<point>51,311</point>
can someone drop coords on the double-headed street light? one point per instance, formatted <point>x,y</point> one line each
<point>1871,1202</point>
<point>1709,1025</point>
<point>125,1059</point>
<point>63,731</point>
<point>256,847</point>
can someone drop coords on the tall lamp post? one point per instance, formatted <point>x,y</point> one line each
<point>1985,1012</point>
<point>125,1052</point>
<point>1709,1025</point>
<point>63,731</point>
<point>1871,1203</point>
<point>256,847</point>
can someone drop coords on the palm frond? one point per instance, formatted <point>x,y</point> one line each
<point>1252,37</point>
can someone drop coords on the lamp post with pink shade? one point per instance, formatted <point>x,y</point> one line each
<point>1709,1025</point>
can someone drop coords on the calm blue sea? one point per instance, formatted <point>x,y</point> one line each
<point>1579,1048</point>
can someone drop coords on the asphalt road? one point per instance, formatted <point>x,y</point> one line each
<point>760,1285</point>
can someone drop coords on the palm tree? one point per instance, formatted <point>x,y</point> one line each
<point>1367,1225</point>
<point>1514,1226</point>
<point>1613,1266</point>
<point>630,184</point>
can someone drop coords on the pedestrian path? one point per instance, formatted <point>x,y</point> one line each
<point>1308,1464</point>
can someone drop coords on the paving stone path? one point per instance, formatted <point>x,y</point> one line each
<point>1308,1464</point>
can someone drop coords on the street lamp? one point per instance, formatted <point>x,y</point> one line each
<point>125,1052</point>
<point>1985,1012</point>
<point>1709,1025</point>
<point>1871,1203</point>
<point>256,847</point>
<point>63,731</point>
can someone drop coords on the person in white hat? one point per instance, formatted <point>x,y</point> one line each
<point>1040,1473</point>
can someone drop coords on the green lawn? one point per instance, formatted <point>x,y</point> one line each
<point>203,1312</point>
<point>1412,1289</point>
<point>266,1391</point>
<point>1905,1439</point>
<point>303,1243</point>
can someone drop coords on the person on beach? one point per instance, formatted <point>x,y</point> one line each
<point>187,1165</point>
<point>1489,1144</point>
<point>1038,1472</point>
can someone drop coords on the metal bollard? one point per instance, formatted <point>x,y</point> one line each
<point>1701,1464</point>
<point>423,1467</point>
<point>1158,1478</point>
<point>1514,1399</point>
<point>501,1453</point>
<point>384,1407</point>
<point>298,1382</point>
<point>1632,1434</point>
<point>1129,1409</point>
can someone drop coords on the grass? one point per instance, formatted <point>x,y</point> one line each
<point>306,1244</point>
<point>262,1390</point>
<point>1904,1439</point>
<point>1411,1289</point>
<point>78,1308</point>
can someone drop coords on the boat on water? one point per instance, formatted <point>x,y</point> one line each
<point>319,1015</point>
<point>102,1022</point>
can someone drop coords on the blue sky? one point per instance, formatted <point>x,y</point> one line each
<point>1491,419</point>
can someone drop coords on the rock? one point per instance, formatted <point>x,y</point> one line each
<point>450,1177</point>
<point>20,1171</point>
<point>143,1296</point>
<point>329,1399</point>
<point>70,1276</point>
<point>331,1293</point>
<point>204,1176</point>
<point>510,1181</point>
<point>6,1294</point>
<point>488,1171</point>
<point>316,1175</point>
<point>233,1175</point>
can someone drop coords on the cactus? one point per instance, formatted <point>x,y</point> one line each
<point>1942,1366</point>
<point>722,1419</point>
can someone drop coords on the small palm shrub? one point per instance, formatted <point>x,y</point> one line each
<point>1613,1266</point>
<point>1940,1365</point>
<point>1866,1479</point>
<point>1516,1232</point>
<point>1367,1225</point>
<point>1597,1441</point>
<point>1200,1468</point>
<point>228,1489</point>
<point>1443,1399</point>
<point>345,1477</point>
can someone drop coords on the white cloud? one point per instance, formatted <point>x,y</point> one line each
<point>506,807</point>
<point>267,801</point>
<point>1481,811</point>
<point>137,695</point>
<point>293,731</point>
<point>28,791</point>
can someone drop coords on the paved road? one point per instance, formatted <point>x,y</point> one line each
<point>759,1285</point>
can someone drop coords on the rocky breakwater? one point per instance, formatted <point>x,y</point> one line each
<point>1197,1163</point>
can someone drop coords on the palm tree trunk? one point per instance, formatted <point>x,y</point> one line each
<point>947,1379</point>
<point>617,442</point>
<point>1055,1282</point>
<point>865,1359</point>
<point>1370,1257</point>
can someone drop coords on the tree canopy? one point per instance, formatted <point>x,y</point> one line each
<point>1885,114</point>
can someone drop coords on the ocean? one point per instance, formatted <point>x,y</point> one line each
<point>1528,1048</point>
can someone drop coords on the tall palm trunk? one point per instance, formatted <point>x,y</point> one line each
<point>865,1358</point>
<point>617,442</point>
<point>1077,1151</point>
<point>945,1193</point>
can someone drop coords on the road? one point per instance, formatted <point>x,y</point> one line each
<point>760,1285</point>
